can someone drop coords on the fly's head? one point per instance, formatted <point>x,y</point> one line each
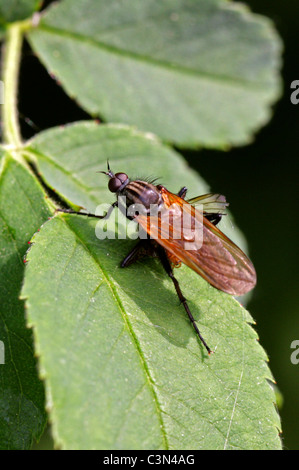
<point>117,182</point>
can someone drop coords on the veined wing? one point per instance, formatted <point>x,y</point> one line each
<point>213,255</point>
<point>211,202</point>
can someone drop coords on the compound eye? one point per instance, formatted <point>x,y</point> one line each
<point>114,184</point>
<point>121,176</point>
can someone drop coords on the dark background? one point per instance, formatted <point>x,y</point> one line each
<point>261,183</point>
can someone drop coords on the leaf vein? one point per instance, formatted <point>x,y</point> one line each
<point>147,373</point>
<point>200,74</point>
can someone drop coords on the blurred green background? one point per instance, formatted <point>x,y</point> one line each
<point>261,183</point>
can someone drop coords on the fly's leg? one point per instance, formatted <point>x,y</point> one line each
<point>88,214</point>
<point>141,249</point>
<point>213,218</point>
<point>167,266</point>
<point>182,192</point>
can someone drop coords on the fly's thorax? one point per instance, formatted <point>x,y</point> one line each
<point>142,193</point>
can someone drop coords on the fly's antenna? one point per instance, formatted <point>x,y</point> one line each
<point>109,172</point>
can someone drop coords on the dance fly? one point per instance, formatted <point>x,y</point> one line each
<point>213,255</point>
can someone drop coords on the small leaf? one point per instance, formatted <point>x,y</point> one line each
<point>22,210</point>
<point>16,10</point>
<point>194,73</point>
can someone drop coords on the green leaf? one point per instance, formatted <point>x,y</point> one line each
<point>16,10</point>
<point>22,210</point>
<point>122,365</point>
<point>123,369</point>
<point>194,73</point>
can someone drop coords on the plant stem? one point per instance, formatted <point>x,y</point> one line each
<point>11,64</point>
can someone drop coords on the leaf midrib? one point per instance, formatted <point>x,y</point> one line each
<point>224,80</point>
<point>135,341</point>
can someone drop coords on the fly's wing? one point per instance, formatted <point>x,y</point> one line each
<point>212,255</point>
<point>211,203</point>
